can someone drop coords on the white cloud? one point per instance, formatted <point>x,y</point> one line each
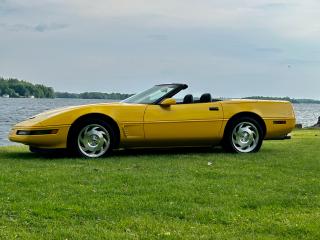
<point>286,18</point>
<point>34,28</point>
<point>247,44</point>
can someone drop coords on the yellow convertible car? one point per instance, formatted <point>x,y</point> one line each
<point>156,118</point>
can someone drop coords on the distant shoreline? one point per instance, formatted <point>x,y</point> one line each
<point>294,101</point>
<point>14,88</point>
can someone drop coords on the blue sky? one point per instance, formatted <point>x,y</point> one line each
<point>229,48</point>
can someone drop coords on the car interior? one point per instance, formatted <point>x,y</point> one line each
<point>204,98</point>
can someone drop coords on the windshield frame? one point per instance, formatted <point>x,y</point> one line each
<point>177,87</point>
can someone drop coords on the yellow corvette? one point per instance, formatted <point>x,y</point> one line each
<point>154,118</point>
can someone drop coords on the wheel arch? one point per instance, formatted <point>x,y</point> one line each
<point>100,116</point>
<point>253,115</point>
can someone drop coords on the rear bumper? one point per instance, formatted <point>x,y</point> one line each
<point>43,140</point>
<point>279,128</point>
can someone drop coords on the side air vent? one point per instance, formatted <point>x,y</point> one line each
<point>126,131</point>
<point>279,122</point>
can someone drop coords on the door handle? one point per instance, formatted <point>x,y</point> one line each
<point>213,108</point>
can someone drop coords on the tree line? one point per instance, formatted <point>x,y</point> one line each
<point>93,95</point>
<point>292,100</point>
<point>15,88</point>
<point>18,88</point>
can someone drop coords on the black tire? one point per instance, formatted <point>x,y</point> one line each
<point>250,128</point>
<point>34,149</point>
<point>101,133</point>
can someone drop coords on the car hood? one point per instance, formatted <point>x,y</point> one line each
<point>37,120</point>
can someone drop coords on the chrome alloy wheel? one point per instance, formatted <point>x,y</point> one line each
<point>245,137</point>
<point>93,140</point>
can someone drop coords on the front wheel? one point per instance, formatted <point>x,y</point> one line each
<point>244,135</point>
<point>92,138</point>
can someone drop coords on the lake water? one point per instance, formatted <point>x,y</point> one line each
<point>14,110</point>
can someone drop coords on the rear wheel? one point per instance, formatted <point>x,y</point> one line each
<point>243,135</point>
<point>91,138</point>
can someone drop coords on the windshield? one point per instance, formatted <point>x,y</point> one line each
<point>151,95</point>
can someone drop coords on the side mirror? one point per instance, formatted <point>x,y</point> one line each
<point>168,102</point>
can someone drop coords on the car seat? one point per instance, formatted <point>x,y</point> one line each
<point>188,99</point>
<point>206,97</point>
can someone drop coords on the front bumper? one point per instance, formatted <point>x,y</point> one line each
<point>47,139</point>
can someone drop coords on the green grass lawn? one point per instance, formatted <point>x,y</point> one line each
<point>273,194</point>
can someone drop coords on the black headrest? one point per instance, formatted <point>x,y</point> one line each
<point>206,97</point>
<point>188,98</point>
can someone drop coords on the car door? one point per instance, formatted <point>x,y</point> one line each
<point>183,124</point>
